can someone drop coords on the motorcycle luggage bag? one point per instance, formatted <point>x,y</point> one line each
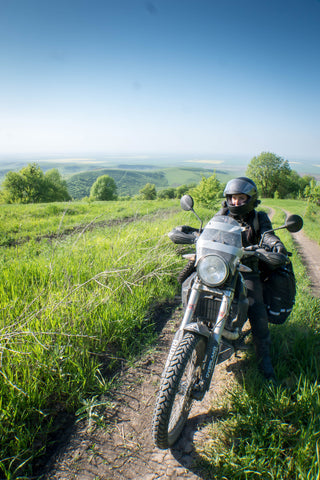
<point>279,291</point>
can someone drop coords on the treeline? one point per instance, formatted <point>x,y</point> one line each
<point>272,174</point>
<point>31,185</point>
<point>275,178</point>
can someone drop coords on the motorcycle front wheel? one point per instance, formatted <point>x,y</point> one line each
<point>174,399</point>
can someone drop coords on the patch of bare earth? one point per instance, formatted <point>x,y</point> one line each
<point>309,251</point>
<point>123,449</point>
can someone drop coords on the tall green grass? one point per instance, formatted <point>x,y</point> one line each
<point>78,292</point>
<point>309,212</point>
<point>273,432</point>
<point>20,223</point>
<point>74,307</point>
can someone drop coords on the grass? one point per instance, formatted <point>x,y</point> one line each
<point>77,301</point>
<point>308,211</point>
<point>73,307</point>
<point>35,221</point>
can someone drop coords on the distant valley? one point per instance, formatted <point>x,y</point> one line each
<point>131,173</point>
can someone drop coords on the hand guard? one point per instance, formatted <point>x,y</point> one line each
<point>184,235</point>
<point>186,229</point>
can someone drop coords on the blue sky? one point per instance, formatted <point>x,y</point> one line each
<point>195,77</point>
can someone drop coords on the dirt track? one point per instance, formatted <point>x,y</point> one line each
<point>123,450</point>
<point>309,251</point>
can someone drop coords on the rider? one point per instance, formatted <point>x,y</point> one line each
<point>241,199</point>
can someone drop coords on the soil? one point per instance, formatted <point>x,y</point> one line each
<point>309,251</point>
<point>123,449</point>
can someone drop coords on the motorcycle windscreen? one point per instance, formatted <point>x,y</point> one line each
<point>222,235</point>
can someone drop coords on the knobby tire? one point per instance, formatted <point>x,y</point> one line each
<point>186,271</point>
<point>174,399</point>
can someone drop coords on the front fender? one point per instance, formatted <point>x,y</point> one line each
<point>198,328</point>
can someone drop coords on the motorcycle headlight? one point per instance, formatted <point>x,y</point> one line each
<point>212,270</point>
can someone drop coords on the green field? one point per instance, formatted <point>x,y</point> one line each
<point>130,181</point>
<point>80,285</point>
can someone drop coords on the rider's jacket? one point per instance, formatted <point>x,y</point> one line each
<point>255,224</point>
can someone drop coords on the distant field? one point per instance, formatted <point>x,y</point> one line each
<point>130,182</point>
<point>130,178</point>
<point>177,176</point>
<point>132,173</point>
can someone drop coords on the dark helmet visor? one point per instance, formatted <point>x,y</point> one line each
<point>240,185</point>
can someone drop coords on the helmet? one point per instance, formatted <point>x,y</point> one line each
<point>241,185</point>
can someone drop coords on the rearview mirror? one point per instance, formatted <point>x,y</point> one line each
<point>294,223</point>
<point>186,203</point>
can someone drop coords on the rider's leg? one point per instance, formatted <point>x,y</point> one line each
<point>259,324</point>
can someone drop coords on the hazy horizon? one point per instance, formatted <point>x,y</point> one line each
<point>211,162</point>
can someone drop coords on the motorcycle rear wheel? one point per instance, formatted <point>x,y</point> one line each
<point>174,399</point>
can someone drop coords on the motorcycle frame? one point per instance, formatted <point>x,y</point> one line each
<point>213,336</point>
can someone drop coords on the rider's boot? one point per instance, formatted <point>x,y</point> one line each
<point>262,348</point>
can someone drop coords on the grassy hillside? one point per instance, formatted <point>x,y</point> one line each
<point>130,178</point>
<point>79,286</point>
<point>177,176</point>
<point>130,181</point>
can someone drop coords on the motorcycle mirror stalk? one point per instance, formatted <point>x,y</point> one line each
<point>293,224</point>
<point>186,203</point>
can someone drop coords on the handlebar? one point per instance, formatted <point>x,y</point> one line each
<point>273,259</point>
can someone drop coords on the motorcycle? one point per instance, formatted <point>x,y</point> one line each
<point>215,309</point>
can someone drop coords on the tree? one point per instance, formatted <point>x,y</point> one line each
<point>312,192</point>
<point>294,185</point>
<point>14,188</point>
<point>270,173</point>
<point>183,189</point>
<point>56,187</point>
<point>148,192</point>
<point>104,188</point>
<point>167,193</point>
<point>31,185</point>
<point>208,191</point>
<point>306,183</point>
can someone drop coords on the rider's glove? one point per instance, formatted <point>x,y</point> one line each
<point>279,248</point>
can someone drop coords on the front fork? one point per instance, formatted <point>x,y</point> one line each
<point>213,337</point>
<point>213,346</point>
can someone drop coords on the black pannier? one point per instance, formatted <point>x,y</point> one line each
<point>279,291</point>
